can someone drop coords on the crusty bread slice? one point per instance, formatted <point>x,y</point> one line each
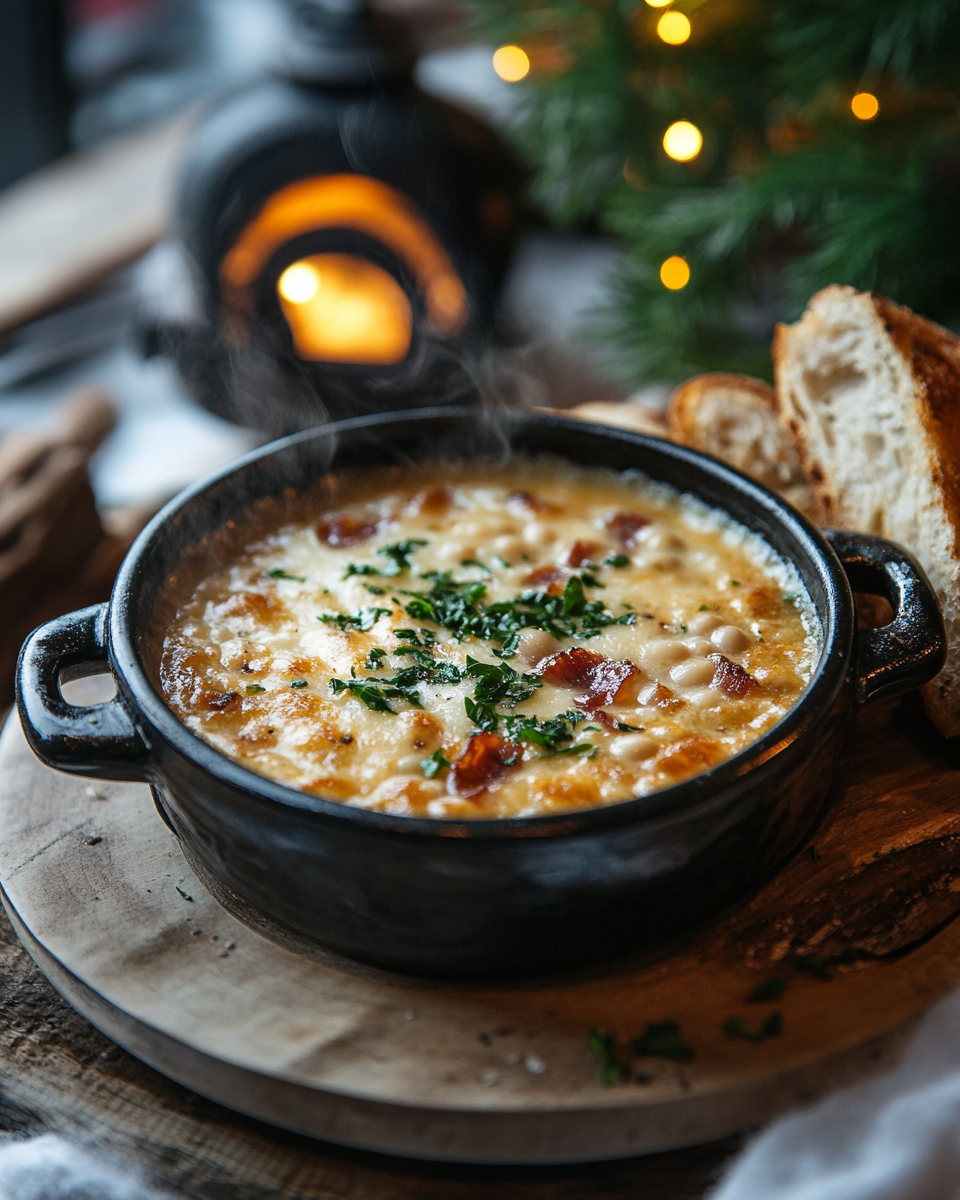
<point>625,414</point>
<point>735,418</point>
<point>872,394</point>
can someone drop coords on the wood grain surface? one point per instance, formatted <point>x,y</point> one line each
<point>872,899</point>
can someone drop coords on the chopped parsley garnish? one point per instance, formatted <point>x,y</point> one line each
<point>604,1046</point>
<point>436,762</point>
<point>704,608</point>
<point>254,688</point>
<point>734,582</point>
<point>502,561</point>
<point>813,966</point>
<point>791,597</point>
<point>616,560</point>
<point>365,619</point>
<point>458,605</point>
<point>549,734</point>
<point>497,685</point>
<point>361,569</point>
<point>375,658</point>
<point>587,748</point>
<point>663,1041</point>
<point>375,693</point>
<point>374,590</point>
<point>375,698</point>
<point>398,554</point>
<point>623,727</point>
<point>771,989</point>
<point>739,1027</point>
<point>299,683</point>
<point>472,562</point>
<point>280,573</point>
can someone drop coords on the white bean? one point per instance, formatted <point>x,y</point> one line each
<point>731,639</point>
<point>536,534</point>
<point>694,673</point>
<point>659,656</point>
<point>509,547</point>
<point>634,747</point>
<point>536,645</point>
<point>704,623</point>
<point>700,646</point>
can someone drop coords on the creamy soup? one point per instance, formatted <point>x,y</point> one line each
<point>473,642</point>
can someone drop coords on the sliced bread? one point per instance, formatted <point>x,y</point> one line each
<point>871,393</point>
<point>735,418</point>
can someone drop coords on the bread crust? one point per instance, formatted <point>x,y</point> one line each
<point>929,357</point>
<point>686,397</point>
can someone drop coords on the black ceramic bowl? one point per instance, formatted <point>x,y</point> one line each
<point>481,898</point>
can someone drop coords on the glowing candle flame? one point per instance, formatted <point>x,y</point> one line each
<point>341,308</point>
<point>683,141</point>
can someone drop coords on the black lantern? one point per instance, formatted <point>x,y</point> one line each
<point>348,234</point>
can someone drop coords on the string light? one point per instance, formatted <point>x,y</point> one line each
<point>673,28</point>
<point>674,273</point>
<point>511,63</point>
<point>865,106</point>
<point>659,3</point>
<point>683,141</point>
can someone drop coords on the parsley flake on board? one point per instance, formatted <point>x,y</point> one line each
<point>739,1027</point>
<point>663,1041</point>
<point>280,573</point>
<point>436,762</point>
<point>770,989</point>
<point>604,1046</point>
<point>813,966</point>
<point>189,899</point>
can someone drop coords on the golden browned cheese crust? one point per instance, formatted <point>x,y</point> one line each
<point>477,642</point>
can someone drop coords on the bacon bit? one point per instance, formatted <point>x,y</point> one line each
<point>625,526</point>
<point>344,529</point>
<point>221,701</point>
<point>556,577</point>
<point>687,757</point>
<point>605,719</point>
<point>730,678</point>
<point>658,696</point>
<point>599,676</point>
<point>432,501</point>
<point>482,763</point>
<point>526,503</point>
<point>581,552</point>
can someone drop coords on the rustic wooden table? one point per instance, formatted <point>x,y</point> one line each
<point>57,1073</point>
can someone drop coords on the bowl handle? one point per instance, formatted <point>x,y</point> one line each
<point>101,741</point>
<point>910,650</point>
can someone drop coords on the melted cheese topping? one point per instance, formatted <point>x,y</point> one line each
<point>476,642</point>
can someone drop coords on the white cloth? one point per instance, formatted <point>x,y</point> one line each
<point>893,1137</point>
<point>50,1168</point>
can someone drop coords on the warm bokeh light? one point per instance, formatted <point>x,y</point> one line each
<point>298,283</point>
<point>355,202</point>
<point>345,309</point>
<point>682,141</point>
<point>673,28</point>
<point>511,63</point>
<point>659,3</point>
<point>674,273</point>
<point>865,106</point>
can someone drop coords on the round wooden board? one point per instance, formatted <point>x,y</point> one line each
<point>100,893</point>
